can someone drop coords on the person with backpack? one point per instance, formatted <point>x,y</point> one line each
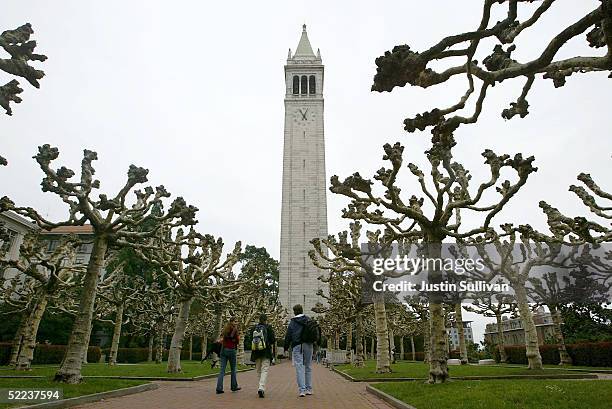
<point>263,349</point>
<point>229,344</point>
<point>302,334</point>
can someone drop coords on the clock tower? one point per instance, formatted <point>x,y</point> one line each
<point>304,202</point>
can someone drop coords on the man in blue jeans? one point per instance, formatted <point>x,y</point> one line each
<point>301,352</point>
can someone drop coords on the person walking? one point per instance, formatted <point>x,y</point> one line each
<point>263,349</point>
<point>302,333</point>
<point>229,344</point>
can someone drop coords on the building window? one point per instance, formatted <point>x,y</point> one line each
<point>7,244</point>
<point>304,84</point>
<point>296,84</point>
<point>52,245</point>
<point>312,85</point>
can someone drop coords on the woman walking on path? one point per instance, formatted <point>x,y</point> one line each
<point>229,344</point>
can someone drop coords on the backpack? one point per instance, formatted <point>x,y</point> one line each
<point>258,342</point>
<point>311,332</point>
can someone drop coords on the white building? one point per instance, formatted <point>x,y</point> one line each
<point>304,201</point>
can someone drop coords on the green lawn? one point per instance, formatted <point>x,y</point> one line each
<point>503,394</point>
<point>408,369</point>
<point>190,369</point>
<point>589,368</point>
<point>87,387</point>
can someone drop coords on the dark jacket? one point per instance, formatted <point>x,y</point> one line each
<point>294,331</point>
<point>270,341</point>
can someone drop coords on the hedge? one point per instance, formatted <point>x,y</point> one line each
<point>586,353</point>
<point>135,355</point>
<point>48,354</point>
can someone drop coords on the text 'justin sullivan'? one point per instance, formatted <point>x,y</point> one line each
<point>406,286</point>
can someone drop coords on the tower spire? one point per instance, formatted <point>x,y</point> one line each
<point>304,49</point>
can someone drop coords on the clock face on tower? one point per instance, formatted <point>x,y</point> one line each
<point>303,116</point>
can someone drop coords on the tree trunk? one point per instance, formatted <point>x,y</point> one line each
<point>26,355</point>
<point>461,333</point>
<point>349,342</point>
<point>204,343</point>
<point>336,339</point>
<point>438,353</point>
<point>438,368</point>
<point>500,339</point>
<point>240,351</point>
<point>174,355</point>
<point>412,348</point>
<point>391,346</point>
<point>150,352</point>
<point>159,354</point>
<point>382,334</point>
<point>531,335</point>
<point>191,347</point>
<point>564,358</point>
<point>18,342</point>
<point>372,347</point>
<point>86,347</point>
<point>359,358</point>
<point>70,371</point>
<point>112,360</point>
<point>401,339</point>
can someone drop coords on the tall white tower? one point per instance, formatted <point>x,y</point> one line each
<point>304,205</point>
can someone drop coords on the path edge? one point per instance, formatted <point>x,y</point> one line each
<point>396,403</point>
<point>94,397</point>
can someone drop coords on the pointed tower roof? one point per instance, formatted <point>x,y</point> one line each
<point>304,49</point>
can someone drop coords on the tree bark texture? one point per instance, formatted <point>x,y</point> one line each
<point>112,359</point>
<point>176,345</point>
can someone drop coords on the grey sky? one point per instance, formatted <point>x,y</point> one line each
<point>194,92</point>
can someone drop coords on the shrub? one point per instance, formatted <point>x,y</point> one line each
<point>586,353</point>
<point>48,354</point>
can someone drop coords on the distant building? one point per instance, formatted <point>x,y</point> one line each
<point>514,333</point>
<point>453,334</point>
<point>17,228</point>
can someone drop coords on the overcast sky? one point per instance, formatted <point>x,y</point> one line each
<point>194,92</point>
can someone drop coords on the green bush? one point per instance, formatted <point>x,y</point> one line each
<point>586,353</point>
<point>48,354</point>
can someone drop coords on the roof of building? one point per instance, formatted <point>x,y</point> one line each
<point>84,229</point>
<point>304,49</point>
<point>18,219</point>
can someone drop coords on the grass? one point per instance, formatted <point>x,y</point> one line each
<point>408,369</point>
<point>190,369</point>
<point>503,394</point>
<point>87,387</point>
<point>581,367</point>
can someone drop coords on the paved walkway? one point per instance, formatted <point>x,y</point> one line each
<point>330,390</point>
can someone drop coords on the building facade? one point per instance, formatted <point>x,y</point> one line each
<point>304,196</point>
<point>514,332</point>
<point>453,335</point>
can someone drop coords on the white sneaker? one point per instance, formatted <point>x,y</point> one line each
<point>308,392</point>
<point>302,394</point>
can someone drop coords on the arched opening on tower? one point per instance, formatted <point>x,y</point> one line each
<point>304,84</point>
<point>312,85</point>
<point>296,84</point>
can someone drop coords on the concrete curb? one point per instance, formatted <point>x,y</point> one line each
<point>94,397</point>
<point>599,371</point>
<point>135,378</point>
<point>470,378</point>
<point>396,403</point>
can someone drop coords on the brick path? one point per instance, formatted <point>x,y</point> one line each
<point>330,390</point>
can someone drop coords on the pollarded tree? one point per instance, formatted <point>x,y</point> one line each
<point>112,219</point>
<point>340,257</point>
<point>117,292</point>
<point>403,66</point>
<point>192,262</point>
<point>17,43</point>
<point>50,270</point>
<point>431,223</point>
<point>494,305</point>
<point>580,228</point>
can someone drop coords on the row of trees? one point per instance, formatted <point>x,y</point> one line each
<point>445,193</point>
